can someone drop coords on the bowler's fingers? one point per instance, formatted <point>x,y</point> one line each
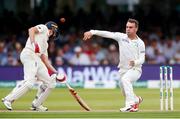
<point>87,35</point>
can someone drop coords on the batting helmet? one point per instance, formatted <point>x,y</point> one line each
<point>53,26</point>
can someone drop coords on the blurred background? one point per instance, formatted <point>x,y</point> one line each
<point>159,29</point>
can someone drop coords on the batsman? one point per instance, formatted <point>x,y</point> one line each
<point>36,66</point>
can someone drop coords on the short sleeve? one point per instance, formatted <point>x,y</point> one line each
<point>41,28</point>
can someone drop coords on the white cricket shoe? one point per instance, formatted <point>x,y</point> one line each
<point>135,107</point>
<point>40,108</point>
<point>126,109</point>
<point>132,108</point>
<point>7,104</point>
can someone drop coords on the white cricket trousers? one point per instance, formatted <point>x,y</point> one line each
<point>127,78</point>
<point>34,69</point>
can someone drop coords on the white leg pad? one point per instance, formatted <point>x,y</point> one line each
<point>42,95</point>
<point>19,91</point>
<point>41,88</point>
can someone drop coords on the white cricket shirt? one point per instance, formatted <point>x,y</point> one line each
<point>41,39</point>
<point>129,50</point>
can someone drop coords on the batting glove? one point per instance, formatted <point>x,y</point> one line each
<point>61,78</point>
<point>53,76</point>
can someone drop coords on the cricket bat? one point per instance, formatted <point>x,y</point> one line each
<point>78,98</point>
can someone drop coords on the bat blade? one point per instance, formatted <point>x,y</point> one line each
<point>79,99</point>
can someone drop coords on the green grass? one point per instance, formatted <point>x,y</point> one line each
<point>105,103</point>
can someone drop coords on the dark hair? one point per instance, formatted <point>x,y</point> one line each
<point>134,21</point>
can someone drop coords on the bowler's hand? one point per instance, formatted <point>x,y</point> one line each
<point>131,63</point>
<point>87,35</point>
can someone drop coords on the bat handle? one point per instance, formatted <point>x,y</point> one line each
<point>68,86</point>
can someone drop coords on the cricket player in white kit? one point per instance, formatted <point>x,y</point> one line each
<point>132,56</point>
<point>34,58</point>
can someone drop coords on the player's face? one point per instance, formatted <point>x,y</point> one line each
<point>50,33</point>
<point>131,28</point>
